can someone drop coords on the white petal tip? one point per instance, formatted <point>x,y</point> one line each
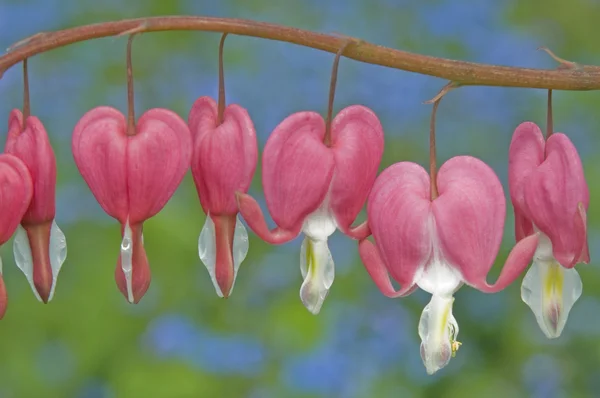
<point>207,250</point>
<point>438,331</point>
<point>551,290</point>
<point>24,259</point>
<point>318,271</point>
<point>127,260</point>
<point>313,298</point>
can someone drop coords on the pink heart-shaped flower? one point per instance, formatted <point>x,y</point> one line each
<point>28,140</point>
<point>132,176</point>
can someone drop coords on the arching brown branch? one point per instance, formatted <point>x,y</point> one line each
<point>460,72</point>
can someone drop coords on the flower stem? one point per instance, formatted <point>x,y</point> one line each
<point>221,105</point>
<point>432,152</point>
<point>26,103</point>
<point>332,84</point>
<point>549,121</point>
<point>130,99</point>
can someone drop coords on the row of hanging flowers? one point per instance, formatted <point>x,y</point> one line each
<point>433,230</point>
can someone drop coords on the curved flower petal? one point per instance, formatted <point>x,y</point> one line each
<point>581,230</point>
<point>225,155</point>
<point>469,215</point>
<point>16,191</point>
<point>552,196</point>
<point>250,210</point>
<point>525,154</point>
<point>296,169</point>
<point>158,157</point>
<point>398,212</point>
<point>517,261</point>
<point>357,143</point>
<point>30,143</point>
<point>99,148</point>
<point>3,294</point>
<point>371,258</point>
<point>523,226</point>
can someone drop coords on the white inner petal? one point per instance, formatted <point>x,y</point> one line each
<point>24,258</point>
<point>438,331</point>
<point>437,277</point>
<point>551,290</point>
<point>127,260</point>
<point>320,224</point>
<point>207,249</point>
<point>316,263</point>
<point>58,254</point>
<point>543,251</point>
<point>318,271</point>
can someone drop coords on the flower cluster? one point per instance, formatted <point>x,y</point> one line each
<point>436,230</point>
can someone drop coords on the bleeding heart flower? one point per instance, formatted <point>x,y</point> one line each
<point>550,196</point>
<point>312,188</point>
<point>223,162</point>
<point>439,244</point>
<point>40,247</point>
<point>16,191</point>
<point>132,177</point>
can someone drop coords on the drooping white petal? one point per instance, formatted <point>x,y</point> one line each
<point>316,263</point>
<point>127,260</point>
<point>438,331</point>
<point>318,271</point>
<point>550,290</point>
<point>207,249</point>
<point>58,254</point>
<point>24,259</point>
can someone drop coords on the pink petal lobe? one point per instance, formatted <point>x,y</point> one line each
<point>32,146</point>
<point>518,260</point>
<point>525,154</point>
<point>140,268</point>
<point>469,215</point>
<point>99,148</point>
<point>3,298</point>
<point>224,266</point>
<point>39,241</point>
<point>158,157</point>
<point>523,226</point>
<point>369,254</point>
<point>552,197</point>
<point>15,125</point>
<point>361,231</point>
<point>296,169</point>
<point>16,191</point>
<point>357,143</point>
<point>250,210</point>
<point>225,155</point>
<point>398,211</point>
<point>581,228</point>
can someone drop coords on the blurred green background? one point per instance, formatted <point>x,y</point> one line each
<point>182,340</point>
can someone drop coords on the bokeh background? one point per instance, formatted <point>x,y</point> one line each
<point>183,341</point>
